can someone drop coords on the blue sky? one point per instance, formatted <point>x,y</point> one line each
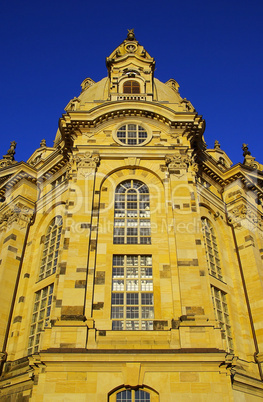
<point>213,49</point>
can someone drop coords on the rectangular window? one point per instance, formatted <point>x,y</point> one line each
<point>41,316</point>
<point>222,316</point>
<point>132,293</point>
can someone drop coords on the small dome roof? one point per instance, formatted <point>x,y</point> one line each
<point>164,92</point>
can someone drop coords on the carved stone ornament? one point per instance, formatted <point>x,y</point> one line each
<point>175,163</point>
<point>86,163</point>
<point>132,161</point>
<point>244,216</point>
<point>130,47</point>
<point>18,213</point>
<point>6,162</point>
<point>39,157</point>
<point>195,167</point>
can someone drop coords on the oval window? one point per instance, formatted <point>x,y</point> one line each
<point>132,134</point>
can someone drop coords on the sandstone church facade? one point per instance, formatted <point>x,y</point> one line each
<point>131,255</point>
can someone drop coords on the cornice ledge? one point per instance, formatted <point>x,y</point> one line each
<point>27,174</point>
<point>68,124</point>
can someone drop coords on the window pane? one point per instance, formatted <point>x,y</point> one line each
<point>117,325</point>
<point>118,285</point>
<point>147,312</point>
<point>211,248</point>
<point>124,396</point>
<point>51,245</point>
<point>222,316</point>
<point>117,298</point>
<point>142,396</point>
<point>132,298</point>
<point>40,317</point>
<point>118,260</point>
<point>117,312</point>
<point>132,312</point>
<point>132,325</point>
<point>147,298</point>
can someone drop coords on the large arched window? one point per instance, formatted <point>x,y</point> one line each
<point>211,249</point>
<point>49,259</point>
<point>132,213</point>
<point>131,87</point>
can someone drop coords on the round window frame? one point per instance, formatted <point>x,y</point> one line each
<point>147,129</point>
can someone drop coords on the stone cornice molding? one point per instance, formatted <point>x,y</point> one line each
<point>231,175</point>
<point>51,170</point>
<point>16,178</point>
<point>75,121</point>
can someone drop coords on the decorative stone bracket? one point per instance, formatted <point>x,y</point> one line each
<point>179,163</point>
<point>16,213</point>
<point>244,216</point>
<point>85,163</point>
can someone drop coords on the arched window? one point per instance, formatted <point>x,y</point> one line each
<point>133,396</point>
<point>132,213</point>
<point>131,87</point>
<point>211,249</point>
<point>49,259</point>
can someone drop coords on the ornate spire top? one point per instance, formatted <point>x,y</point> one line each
<point>43,143</point>
<point>130,35</point>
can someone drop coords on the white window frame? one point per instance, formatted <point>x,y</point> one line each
<point>50,252</point>
<point>40,316</point>
<point>132,292</point>
<point>132,134</point>
<point>132,224</point>
<point>222,315</point>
